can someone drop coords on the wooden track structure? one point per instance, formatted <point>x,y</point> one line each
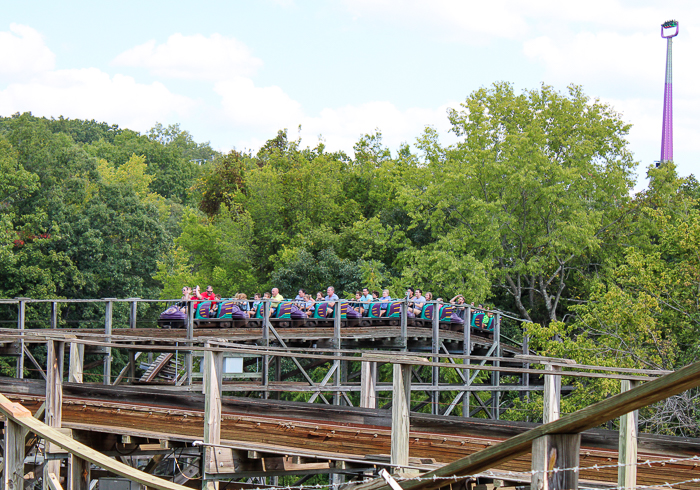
<point>268,438</point>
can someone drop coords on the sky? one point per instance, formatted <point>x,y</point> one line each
<point>235,72</point>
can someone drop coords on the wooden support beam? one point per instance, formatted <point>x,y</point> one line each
<point>79,473</point>
<point>190,336</point>
<point>627,454</point>
<point>75,364</point>
<point>587,418</point>
<point>54,398</point>
<point>467,350</point>
<point>14,412</point>
<point>368,385</point>
<point>20,327</point>
<point>400,417</point>
<point>550,455</point>
<point>13,455</point>
<point>107,371</point>
<point>52,482</point>
<point>216,459</point>
<point>266,343</point>
<point>435,370</point>
<point>552,395</point>
<point>132,325</point>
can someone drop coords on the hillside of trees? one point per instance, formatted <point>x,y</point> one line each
<point>532,212</point>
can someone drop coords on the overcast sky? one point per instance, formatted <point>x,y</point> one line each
<point>234,72</point>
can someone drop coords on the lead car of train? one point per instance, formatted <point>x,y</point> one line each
<point>287,314</point>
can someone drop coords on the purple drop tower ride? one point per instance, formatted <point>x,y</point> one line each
<point>669,30</point>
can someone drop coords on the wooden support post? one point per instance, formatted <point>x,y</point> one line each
<point>404,324</point>
<point>212,379</point>
<point>266,343</point>
<point>550,455</point>
<point>20,326</point>
<point>54,397</point>
<point>107,379</point>
<point>13,456</point>
<point>190,336</point>
<point>336,325</point>
<point>552,394</point>
<point>132,352</point>
<point>75,363</point>
<point>467,350</point>
<point>54,315</point>
<point>79,473</point>
<point>368,385</point>
<point>435,375</point>
<point>336,345</point>
<point>627,455</point>
<point>495,375</point>
<point>400,417</point>
<point>525,380</point>
<point>278,374</point>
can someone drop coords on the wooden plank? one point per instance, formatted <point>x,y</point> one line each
<point>587,418</point>
<point>627,454</point>
<point>400,418</point>
<point>107,371</point>
<point>74,447</point>
<point>551,454</point>
<point>13,447</point>
<point>20,328</point>
<point>79,473</point>
<point>368,385</point>
<point>552,395</point>
<point>54,398</point>
<point>75,364</point>
<point>52,482</point>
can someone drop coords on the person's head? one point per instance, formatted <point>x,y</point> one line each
<point>358,295</point>
<point>489,313</point>
<point>243,296</point>
<point>210,289</point>
<point>385,293</point>
<point>256,296</point>
<point>410,292</point>
<point>196,288</point>
<point>319,295</point>
<point>218,297</point>
<point>375,294</point>
<point>307,297</point>
<point>185,290</point>
<point>460,300</point>
<point>429,296</point>
<point>330,291</point>
<point>266,295</point>
<point>419,293</point>
<point>365,292</point>
<point>301,293</point>
<point>275,291</point>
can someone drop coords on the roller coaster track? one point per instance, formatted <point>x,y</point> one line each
<point>274,429</point>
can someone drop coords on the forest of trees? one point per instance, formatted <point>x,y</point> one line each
<point>532,212</point>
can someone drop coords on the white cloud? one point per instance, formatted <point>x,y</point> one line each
<point>267,108</point>
<point>193,57</point>
<point>23,54</point>
<point>92,94</point>
<point>469,21</point>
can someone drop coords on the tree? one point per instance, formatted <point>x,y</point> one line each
<point>528,190</point>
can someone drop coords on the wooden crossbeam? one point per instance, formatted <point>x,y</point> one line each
<point>584,419</point>
<point>20,415</point>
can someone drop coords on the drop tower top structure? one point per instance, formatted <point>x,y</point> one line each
<point>669,30</point>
